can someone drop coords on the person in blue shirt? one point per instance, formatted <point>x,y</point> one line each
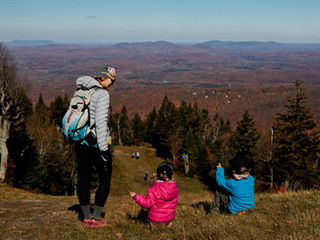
<point>236,194</point>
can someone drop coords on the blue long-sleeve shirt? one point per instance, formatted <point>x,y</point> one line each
<point>241,191</point>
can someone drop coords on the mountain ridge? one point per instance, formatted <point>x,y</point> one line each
<point>160,45</point>
<point>30,43</point>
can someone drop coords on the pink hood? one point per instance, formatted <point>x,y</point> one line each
<point>161,199</point>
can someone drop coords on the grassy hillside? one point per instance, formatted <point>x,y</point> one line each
<point>129,173</point>
<point>24,215</point>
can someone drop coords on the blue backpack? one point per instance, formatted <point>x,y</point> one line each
<point>75,123</point>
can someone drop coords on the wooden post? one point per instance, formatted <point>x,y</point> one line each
<point>271,160</point>
<point>186,163</point>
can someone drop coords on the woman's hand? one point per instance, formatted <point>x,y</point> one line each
<point>132,194</point>
<point>219,165</point>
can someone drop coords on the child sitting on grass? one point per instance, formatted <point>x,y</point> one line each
<point>162,197</point>
<point>236,194</point>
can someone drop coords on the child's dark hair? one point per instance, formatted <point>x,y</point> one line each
<point>244,170</point>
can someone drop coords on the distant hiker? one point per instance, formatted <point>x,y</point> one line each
<point>138,155</point>
<point>132,156</point>
<point>100,156</point>
<point>237,194</point>
<point>146,176</point>
<point>161,199</point>
<point>154,175</point>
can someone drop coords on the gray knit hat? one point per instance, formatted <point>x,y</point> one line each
<point>105,71</point>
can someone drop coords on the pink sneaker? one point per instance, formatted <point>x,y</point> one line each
<point>100,223</point>
<point>87,223</point>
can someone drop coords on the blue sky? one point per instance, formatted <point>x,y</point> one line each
<point>68,21</point>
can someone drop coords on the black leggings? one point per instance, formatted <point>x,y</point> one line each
<point>86,156</point>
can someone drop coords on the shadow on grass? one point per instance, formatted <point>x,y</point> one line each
<point>141,218</point>
<point>76,208</point>
<point>204,205</point>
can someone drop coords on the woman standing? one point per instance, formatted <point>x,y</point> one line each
<point>100,155</point>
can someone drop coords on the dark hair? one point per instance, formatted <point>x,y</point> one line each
<point>240,163</point>
<point>243,170</point>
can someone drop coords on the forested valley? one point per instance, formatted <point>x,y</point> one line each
<point>36,157</point>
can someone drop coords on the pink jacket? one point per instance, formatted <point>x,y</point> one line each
<point>161,199</point>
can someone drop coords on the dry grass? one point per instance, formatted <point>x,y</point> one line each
<point>292,215</point>
<point>23,215</point>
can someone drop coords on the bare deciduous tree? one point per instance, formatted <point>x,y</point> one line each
<point>9,112</point>
<point>266,154</point>
<point>175,144</point>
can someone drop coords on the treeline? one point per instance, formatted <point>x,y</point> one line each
<point>286,156</point>
<point>39,158</point>
<point>42,160</point>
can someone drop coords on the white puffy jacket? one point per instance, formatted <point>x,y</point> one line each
<point>99,108</point>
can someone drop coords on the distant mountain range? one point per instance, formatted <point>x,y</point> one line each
<point>263,46</point>
<point>30,43</point>
<point>161,45</point>
<point>150,45</point>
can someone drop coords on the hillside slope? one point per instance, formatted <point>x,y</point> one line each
<point>129,173</point>
<point>293,215</point>
<point>25,215</point>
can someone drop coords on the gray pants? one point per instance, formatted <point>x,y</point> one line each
<point>220,201</point>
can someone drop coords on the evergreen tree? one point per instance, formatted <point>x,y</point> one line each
<point>199,125</point>
<point>185,117</point>
<point>198,156</point>
<point>41,112</point>
<point>205,124</point>
<point>25,103</point>
<point>194,130</point>
<point>19,143</point>
<point>50,165</point>
<point>66,102</point>
<point>162,127</point>
<point>125,128</point>
<point>190,147</point>
<point>167,124</point>
<point>203,165</point>
<point>245,138</point>
<point>297,142</point>
<point>57,111</point>
<point>150,132</point>
<point>219,137</point>
<point>114,126</point>
<point>38,165</point>
<point>31,174</point>
<point>40,106</point>
<point>138,129</point>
